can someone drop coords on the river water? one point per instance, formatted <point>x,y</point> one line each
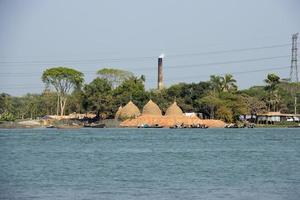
<point>123,164</point>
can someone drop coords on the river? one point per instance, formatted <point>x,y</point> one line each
<point>167,164</point>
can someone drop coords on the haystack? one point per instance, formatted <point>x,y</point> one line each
<point>151,108</point>
<point>118,112</point>
<point>174,110</point>
<point>129,111</point>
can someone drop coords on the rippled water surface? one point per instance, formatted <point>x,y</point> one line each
<point>150,164</point>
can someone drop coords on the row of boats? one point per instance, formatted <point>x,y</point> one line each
<point>76,126</point>
<point>177,126</point>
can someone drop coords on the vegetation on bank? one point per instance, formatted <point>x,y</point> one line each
<point>218,98</point>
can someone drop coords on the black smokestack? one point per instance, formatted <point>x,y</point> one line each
<point>160,72</point>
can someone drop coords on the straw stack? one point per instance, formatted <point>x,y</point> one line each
<point>151,108</point>
<point>118,112</point>
<point>174,110</point>
<point>129,111</point>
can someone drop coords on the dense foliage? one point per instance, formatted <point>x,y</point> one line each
<point>217,98</point>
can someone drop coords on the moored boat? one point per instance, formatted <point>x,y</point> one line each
<point>150,126</point>
<point>92,125</point>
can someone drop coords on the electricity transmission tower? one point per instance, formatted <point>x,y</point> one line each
<point>294,69</point>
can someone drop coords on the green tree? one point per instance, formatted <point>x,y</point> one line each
<point>272,88</point>
<point>216,83</point>
<point>98,97</point>
<point>115,76</point>
<point>224,113</point>
<point>131,89</point>
<point>209,104</point>
<point>228,83</point>
<point>63,80</point>
<point>5,103</point>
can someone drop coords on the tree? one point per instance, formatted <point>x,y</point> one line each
<point>228,83</point>
<point>63,79</point>
<point>254,105</point>
<point>216,83</point>
<point>225,84</point>
<point>5,103</point>
<point>272,85</point>
<point>132,88</point>
<point>224,113</point>
<point>209,104</point>
<point>115,76</point>
<point>98,97</point>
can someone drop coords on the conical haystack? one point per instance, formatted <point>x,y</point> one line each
<point>129,111</point>
<point>118,112</point>
<point>174,110</point>
<point>151,108</point>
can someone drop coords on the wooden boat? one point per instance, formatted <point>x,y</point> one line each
<point>148,126</point>
<point>202,126</point>
<point>50,126</point>
<point>92,125</point>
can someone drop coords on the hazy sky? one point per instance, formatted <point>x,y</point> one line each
<point>88,35</point>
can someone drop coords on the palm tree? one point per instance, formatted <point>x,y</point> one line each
<point>216,83</point>
<point>228,83</point>
<point>272,83</point>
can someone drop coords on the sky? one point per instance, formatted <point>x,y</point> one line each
<point>199,38</point>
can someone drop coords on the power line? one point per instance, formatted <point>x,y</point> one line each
<point>181,66</point>
<point>81,61</point>
<point>21,86</point>
<point>231,50</point>
<point>230,62</point>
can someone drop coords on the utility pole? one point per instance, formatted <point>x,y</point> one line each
<point>295,105</point>
<point>294,68</point>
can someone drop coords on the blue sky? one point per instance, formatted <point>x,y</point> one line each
<point>89,35</point>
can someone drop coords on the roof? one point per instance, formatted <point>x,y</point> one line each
<point>278,114</point>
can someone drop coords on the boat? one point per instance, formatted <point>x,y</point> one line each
<point>148,126</point>
<point>202,126</point>
<point>199,126</point>
<point>232,125</point>
<point>93,125</point>
<point>50,126</point>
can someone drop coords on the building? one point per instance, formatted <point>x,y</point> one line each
<point>271,118</point>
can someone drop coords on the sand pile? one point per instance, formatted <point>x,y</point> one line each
<point>168,121</point>
<point>213,123</point>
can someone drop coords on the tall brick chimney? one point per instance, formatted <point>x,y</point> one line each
<point>160,72</point>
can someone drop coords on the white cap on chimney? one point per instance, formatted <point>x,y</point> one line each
<point>162,55</point>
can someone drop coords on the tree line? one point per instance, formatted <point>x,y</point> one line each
<point>219,98</point>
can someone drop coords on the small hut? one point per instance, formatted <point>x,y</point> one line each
<point>129,111</point>
<point>151,108</point>
<point>118,112</point>
<point>174,110</point>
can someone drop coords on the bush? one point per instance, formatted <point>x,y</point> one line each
<point>7,117</point>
